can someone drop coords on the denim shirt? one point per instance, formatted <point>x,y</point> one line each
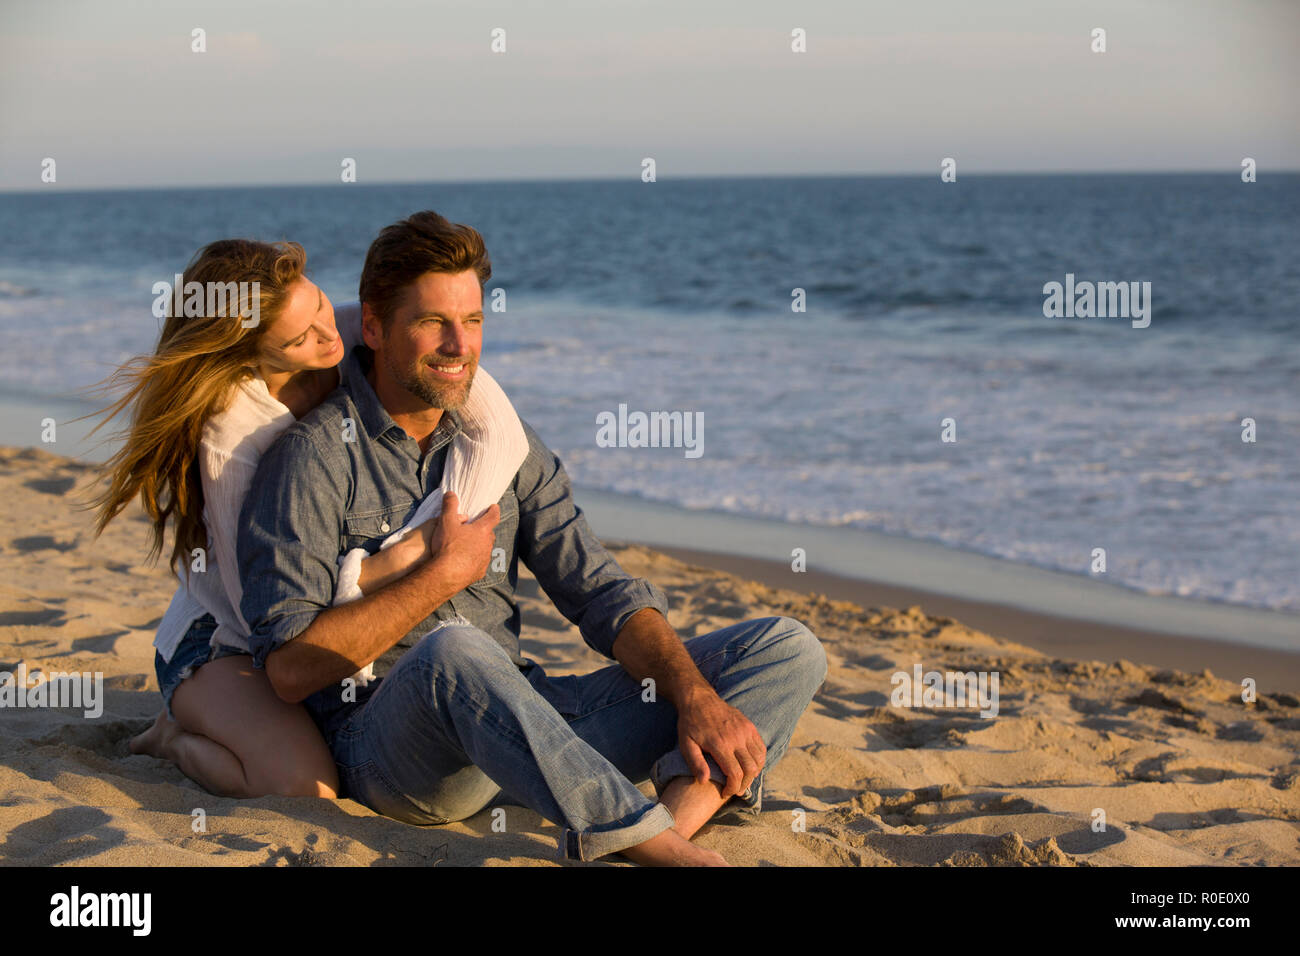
<point>346,475</point>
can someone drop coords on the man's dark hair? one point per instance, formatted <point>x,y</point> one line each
<point>422,243</point>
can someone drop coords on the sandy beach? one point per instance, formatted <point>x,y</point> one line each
<point>1091,725</point>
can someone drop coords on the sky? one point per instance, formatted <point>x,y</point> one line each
<point>412,91</point>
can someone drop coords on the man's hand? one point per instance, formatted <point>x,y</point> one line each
<point>647,646</point>
<point>708,724</point>
<point>461,548</point>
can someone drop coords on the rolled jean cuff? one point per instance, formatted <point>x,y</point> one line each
<point>587,845</point>
<point>673,764</point>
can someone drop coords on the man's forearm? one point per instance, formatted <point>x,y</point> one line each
<point>343,639</point>
<point>647,646</point>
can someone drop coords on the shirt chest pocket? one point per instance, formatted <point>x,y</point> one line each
<point>368,528</point>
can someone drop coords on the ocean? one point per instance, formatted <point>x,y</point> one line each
<point>924,302</point>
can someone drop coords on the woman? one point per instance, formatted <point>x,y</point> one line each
<point>206,405</point>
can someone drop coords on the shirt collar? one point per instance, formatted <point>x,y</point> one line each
<point>374,416</point>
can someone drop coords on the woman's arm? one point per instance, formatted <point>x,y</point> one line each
<point>390,564</point>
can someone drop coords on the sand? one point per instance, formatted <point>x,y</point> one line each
<point>1183,771</point>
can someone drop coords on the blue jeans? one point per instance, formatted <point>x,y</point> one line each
<point>455,722</point>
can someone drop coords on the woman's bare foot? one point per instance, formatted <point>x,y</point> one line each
<point>154,741</point>
<point>670,848</point>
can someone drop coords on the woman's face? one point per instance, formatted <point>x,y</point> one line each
<point>304,336</point>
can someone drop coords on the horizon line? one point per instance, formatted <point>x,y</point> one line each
<point>1232,171</point>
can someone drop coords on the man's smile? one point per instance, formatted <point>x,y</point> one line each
<point>449,370</point>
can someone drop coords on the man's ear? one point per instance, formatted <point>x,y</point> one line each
<point>372,331</point>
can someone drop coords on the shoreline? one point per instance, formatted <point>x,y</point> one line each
<point>1057,636</point>
<point>855,557</point>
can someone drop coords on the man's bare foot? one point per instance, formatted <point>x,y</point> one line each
<point>154,741</point>
<point>670,848</point>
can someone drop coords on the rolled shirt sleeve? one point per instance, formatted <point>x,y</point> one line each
<point>289,532</point>
<point>585,582</point>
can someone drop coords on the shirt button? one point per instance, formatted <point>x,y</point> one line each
<point>384,526</point>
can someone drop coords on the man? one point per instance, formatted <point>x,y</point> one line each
<point>461,714</point>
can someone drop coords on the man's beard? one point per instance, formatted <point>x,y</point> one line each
<point>444,395</point>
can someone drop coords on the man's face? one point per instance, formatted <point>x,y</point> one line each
<point>436,325</point>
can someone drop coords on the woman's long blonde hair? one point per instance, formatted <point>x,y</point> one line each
<point>191,376</point>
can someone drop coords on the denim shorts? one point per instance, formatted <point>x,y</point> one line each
<point>194,650</point>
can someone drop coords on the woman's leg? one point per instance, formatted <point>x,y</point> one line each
<point>237,738</point>
<point>204,761</point>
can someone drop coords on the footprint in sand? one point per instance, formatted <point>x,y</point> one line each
<point>49,616</point>
<point>42,542</point>
<point>100,643</point>
<point>51,486</point>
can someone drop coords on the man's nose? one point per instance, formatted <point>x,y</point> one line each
<point>455,342</point>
